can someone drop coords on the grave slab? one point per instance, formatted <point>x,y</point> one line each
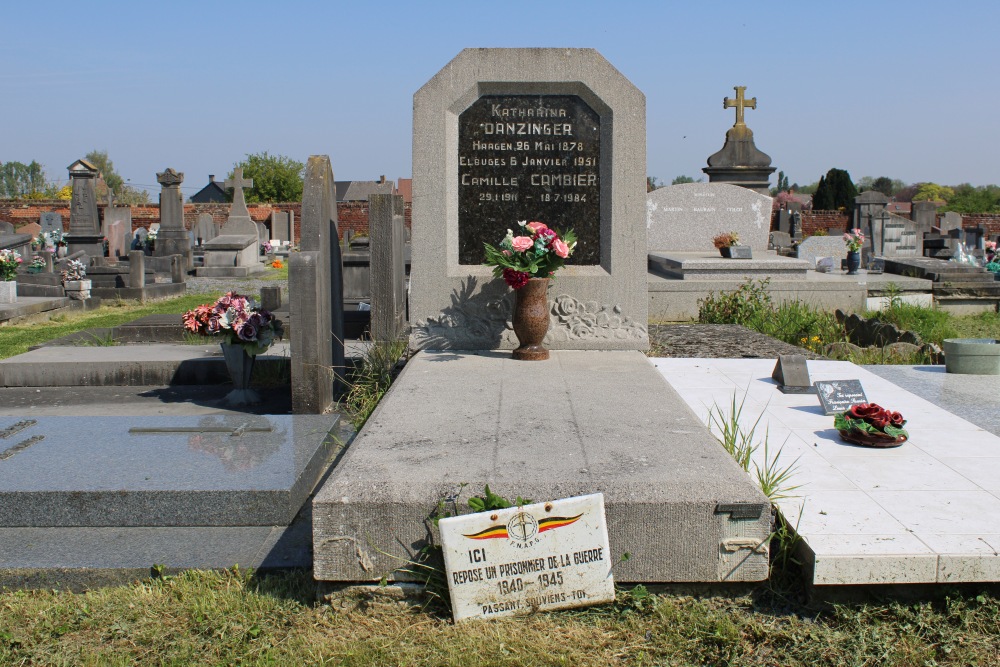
<point>580,422</point>
<point>209,470</point>
<point>707,265</point>
<point>925,512</point>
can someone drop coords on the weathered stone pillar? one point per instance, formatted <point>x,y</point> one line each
<point>172,238</point>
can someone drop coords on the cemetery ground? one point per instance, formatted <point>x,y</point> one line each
<point>238,616</point>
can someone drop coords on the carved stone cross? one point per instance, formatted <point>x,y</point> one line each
<point>739,103</point>
<point>237,183</point>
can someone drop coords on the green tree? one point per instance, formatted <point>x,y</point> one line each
<point>684,179</point>
<point>276,178</point>
<point>653,183</point>
<point>933,192</point>
<point>782,185</point>
<point>836,190</point>
<point>970,199</point>
<point>20,181</point>
<point>103,163</point>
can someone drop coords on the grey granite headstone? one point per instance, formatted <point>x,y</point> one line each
<point>316,295</point>
<point>281,226</point>
<point>895,236</point>
<point>263,233</point>
<point>388,268</point>
<point>822,246</point>
<point>781,240</point>
<point>6,228</point>
<point>924,213</point>
<point>685,218</point>
<point>51,222</point>
<point>541,99</point>
<point>205,229</point>
<point>785,221</point>
<point>949,221</point>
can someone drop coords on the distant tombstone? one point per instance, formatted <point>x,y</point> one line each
<point>316,295</point>
<point>785,221</point>
<point>949,221</point>
<point>6,228</point>
<point>281,226</point>
<point>239,221</point>
<point>235,252</point>
<point>171,237</point>
<point>578,163</point>
<point>263,233</point>
<point>388,269</point>
<point>895,236</point>
<point>51,222</point>
<point>781,240</point>
<point>112,215</point>
<point>113,233</point>
<point>205,229</point>
<point>84,218</point>
<point>685,218</point>
<point>867,205</point>
<point>154,227</point>
<point>924,213</point>
<point>815,247</point>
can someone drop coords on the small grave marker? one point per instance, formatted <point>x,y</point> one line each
<point>838,395</point>
<point>792,375</point>
<point>538,557</point>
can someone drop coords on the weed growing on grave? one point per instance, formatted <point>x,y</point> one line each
<point>95,339</point>
<point>371,378</point>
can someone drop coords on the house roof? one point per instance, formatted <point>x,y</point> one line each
<point>213,192</point>
<point>359,190</point>
<point>404,188</point>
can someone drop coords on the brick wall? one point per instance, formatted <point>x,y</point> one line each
<point>814,221</point>
<point>352,215</point>
<point>990,221</point>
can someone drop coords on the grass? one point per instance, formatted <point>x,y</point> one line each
<point>17,338</point>
<point>369,381</point>
<point>223,618</point>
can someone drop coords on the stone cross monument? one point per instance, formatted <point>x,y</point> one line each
<point>740,162</point>
<point>239,221</point>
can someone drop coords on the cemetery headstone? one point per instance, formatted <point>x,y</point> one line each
<point>6,227</point>
<point>924,213</point>
<point>84,218</point>
<point>281,229</point>
<point>205,229</point>
<point>171,237</point>
<point>685,218</point>
<point>51,222</point>
<point>780,240</point>
<point>139,238</point>
<point>895,236</point>
<point>113,233</point>
<point>316,295</point>
<point>949,221</point>
<point>235,252</point>
<point>388,269</point>
<point>504,135</point>
<point>814,247</point>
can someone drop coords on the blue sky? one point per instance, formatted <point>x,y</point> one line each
<point>902,89</point>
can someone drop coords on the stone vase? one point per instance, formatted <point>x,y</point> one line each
<point>853,262</point>
<point>531,320</point>
<point>78,290</point>
<point>972,356</point>
<point>8,291</point>
<point>240,366</point>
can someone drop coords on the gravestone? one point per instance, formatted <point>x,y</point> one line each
<point>6,228</point>
<point>281,226</point>
<point>895,236</point>
<point>113,233</point>
<point>780,240</point>
<point>924,213</point>
<point>51,222</point>
<point>388,269</point>
<point>171,237</point>
<point>815,247</point>
<point>867,205</point>
<point>116,220</point>
<point>235,252</point>
<point>685,218</point>
<point>263,233</point>
<point>205,229</point>
<point>502,135</point>
<point>949,221</point>
<point>84,218</point>
<point>316,295</point>
<point>18,242</point>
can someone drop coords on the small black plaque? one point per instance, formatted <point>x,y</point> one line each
<point>838,395</point>
<point>740,252</point>
<point>529,157</point>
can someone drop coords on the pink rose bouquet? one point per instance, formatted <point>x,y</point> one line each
<point>238,320</point>
<point>536,252</point>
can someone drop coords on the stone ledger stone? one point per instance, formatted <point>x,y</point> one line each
<point>686,217</point>
<point>455,302</point>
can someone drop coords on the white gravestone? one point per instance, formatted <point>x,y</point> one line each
<point>521,560</point>
<point>685,218</point>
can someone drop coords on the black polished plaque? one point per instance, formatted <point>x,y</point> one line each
<point>529,157</point>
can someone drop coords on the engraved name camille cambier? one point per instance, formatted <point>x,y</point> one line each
<point>528,157</point>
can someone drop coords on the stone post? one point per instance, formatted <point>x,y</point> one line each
<point>386,230</point>
<point>270,298</point>
<point>178,269</point>
<point>136,269</point>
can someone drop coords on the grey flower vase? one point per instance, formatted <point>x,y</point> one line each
<point>240,365</point>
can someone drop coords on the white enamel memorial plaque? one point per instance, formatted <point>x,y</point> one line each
<point>537,557</point>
